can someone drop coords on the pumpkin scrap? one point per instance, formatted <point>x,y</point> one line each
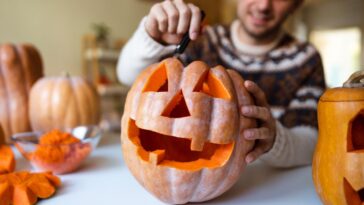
<point>23,188</point>
<point>59,152</point>
<point>7,159</point>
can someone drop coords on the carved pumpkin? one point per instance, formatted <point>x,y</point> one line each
<point>63,102</point>
<point>180,130</point>
<point>339,156</point>
<point>20,67</point>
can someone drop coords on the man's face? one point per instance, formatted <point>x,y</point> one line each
<point>261,18</point>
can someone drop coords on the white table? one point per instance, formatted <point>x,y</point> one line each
<point>105,179</point>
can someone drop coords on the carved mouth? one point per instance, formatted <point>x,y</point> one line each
<point>176,152</point>
<point>352,196</point>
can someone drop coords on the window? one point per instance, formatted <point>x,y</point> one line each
<point>340,51</point>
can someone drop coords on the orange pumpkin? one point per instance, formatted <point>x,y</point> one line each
<point>63,102</point>
<point>20,67</point>
<point>181,126</point>
<point>339,156</point>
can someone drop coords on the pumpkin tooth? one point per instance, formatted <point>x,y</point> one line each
<point>197,144</point>
<point>157,156</point>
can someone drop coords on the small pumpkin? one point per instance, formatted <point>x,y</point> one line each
<point>63,102</point>
<point>181,126</point>
<point>339,156</point>
<point>20,67</point>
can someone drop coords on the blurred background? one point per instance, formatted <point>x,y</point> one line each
<point>84,37</point>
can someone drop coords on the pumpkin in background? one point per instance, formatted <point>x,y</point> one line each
<point>20,67</point>
<point>339,156</point>
<point>63,102</point>
<point>180,130</point>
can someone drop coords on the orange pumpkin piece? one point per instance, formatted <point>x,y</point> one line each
<point>7,159</point>
<point>59,152</point>
<point>23,188</point>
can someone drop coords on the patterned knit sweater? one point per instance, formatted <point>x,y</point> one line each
<point>288,71</point>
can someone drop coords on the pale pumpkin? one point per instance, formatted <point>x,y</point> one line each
<point>20,67</point>
<point>181,130</point>
<point>63,102</point>
<point>339,157</point>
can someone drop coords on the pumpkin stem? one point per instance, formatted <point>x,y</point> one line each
<point>356,80</point>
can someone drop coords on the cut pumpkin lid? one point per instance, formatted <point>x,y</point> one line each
<point>343,95</point>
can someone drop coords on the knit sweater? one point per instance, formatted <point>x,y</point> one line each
<point>290,73</point>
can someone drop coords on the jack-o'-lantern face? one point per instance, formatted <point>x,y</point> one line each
<point>184,119</point>
<point>338,166</point>
<point>353,179</point>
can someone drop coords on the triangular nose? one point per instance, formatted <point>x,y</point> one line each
<point>177,107</point>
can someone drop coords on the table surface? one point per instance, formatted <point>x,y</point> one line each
<point>104,179</point>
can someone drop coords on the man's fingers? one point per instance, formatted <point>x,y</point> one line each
<point>184,17</point>
<point>158,12</point>
<point>195,21</point>
<point>253,155</point>
<point>173,16</point>
<point>256,133</point>
<point>259,95</point>
<point>261,113</point>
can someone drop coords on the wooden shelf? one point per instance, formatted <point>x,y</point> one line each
<point>112,90</point>
<point>101,54</point>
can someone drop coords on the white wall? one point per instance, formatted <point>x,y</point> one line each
<point>56,27</point>
<point>332,14</point>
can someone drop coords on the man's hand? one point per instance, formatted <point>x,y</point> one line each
<point>169,20</point>
<point>266,131</point>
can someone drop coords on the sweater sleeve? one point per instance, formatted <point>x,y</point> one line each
<point>297,126</point>
<point>138,53</point>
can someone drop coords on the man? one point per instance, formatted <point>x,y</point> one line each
<point>284,76</point>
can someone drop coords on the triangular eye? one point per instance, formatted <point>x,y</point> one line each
<point>212,86</point>
<point>356,133</point>
<point>157,81</point>
<point>177,107</point>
